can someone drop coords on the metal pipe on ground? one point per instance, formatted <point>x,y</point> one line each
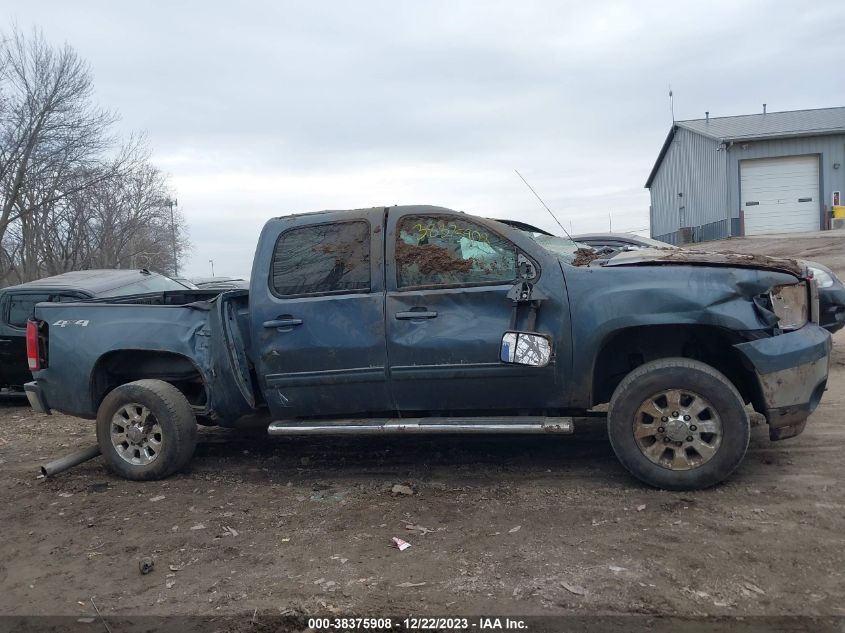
<point>69,461</point>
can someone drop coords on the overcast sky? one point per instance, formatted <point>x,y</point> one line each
<point>262,109</point>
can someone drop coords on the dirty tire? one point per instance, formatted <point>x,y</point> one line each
<point>174,416</point>
<point>680,374</point>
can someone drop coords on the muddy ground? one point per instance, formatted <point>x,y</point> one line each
<point>544,525</point>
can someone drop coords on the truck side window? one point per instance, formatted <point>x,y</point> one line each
<point>432,250</point>
<point>22,307</point>
<point>323,258</point>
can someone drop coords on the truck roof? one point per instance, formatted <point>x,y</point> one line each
<point>416,208</point>
<point>93,282</point>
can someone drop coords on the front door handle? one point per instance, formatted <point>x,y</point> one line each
<point>416,313</point>
<point>282,323</point>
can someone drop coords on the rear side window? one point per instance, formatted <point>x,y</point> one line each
<point>153,283</point>
<point>434,251</point>
<point>324,258</point>
<point>22,307</point>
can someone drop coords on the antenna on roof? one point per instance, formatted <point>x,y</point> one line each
<point>544,204</point>
<point>671,104</point>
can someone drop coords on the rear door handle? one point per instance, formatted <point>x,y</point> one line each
<point>282,323</point>
<point>416,314</point>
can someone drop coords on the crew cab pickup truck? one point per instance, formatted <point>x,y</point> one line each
<point>419,319</point>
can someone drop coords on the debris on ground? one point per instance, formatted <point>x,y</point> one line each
<point>146,565</point>
<point>417,528</point>
<point>178,567</point>
<point>641,507</point>
<point>752,587</point>
<point>514,530</point>
<point>198,526</point>
<point>400,544</point>
<point>330,498</point>
<point>401,489</point>
<point>157,498</point>
<point>575,589</point>
<point>408,585</point>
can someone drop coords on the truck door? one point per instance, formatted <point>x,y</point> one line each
<point>448,277</point>
<point>318,320</point>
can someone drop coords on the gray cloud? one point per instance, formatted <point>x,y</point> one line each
<point>262,109</point>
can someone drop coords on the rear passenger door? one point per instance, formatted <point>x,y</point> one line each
<point>318,324</point>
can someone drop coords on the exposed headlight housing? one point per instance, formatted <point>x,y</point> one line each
<point>791,305</point>
<point>822,277</point>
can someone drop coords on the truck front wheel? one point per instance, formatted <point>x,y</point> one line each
<point>146,430</point>
<point>678,424</point>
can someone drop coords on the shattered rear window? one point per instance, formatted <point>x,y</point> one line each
<point>433,250</point>
<point>323,258</point>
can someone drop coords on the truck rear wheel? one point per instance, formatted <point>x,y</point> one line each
<point>146,430</point>
<point>678,424</point>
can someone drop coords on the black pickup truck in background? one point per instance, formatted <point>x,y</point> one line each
<point>17,305</point>
<point>420,319</point>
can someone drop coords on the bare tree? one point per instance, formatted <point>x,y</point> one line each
<point>50,126</point>
<point>70,197</point>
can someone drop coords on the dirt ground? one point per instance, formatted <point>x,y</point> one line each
<point>534,525</point>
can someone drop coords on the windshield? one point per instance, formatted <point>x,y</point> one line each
<point>151,283</point>
<point>564,248</point>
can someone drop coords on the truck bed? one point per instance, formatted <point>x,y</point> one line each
<point>196,339</point>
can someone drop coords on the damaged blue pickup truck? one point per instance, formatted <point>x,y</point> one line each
<point>419,319</point>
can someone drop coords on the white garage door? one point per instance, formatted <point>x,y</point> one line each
<point>780,195</point>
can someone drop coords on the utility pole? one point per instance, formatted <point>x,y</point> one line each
<point>171,204</point>
<point>211,261</point>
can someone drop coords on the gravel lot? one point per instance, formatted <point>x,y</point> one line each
<point>535,525</point>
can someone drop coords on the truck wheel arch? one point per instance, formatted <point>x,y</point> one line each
<point>624,350</point>
<point>119,367</point>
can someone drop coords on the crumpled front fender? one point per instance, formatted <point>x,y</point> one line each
<point>791,370</point>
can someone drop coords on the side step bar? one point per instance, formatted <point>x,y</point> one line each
<point>380,426</point>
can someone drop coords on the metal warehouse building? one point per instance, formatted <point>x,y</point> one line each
<point>773,172</point>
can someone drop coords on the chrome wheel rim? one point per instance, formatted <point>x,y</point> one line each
<point>678,429</point>
<point>136,434</point>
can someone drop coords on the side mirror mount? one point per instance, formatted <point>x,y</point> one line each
<point>525,268</point>
<point>526,348</point>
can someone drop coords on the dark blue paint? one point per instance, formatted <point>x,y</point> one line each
<point>428,350</point>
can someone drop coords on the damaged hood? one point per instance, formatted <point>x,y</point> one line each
<point>670,256</point>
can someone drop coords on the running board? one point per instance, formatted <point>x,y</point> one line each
<point>380,426</point>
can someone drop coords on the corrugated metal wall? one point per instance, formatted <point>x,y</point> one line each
<point>708,178</point>
<point>830,149</point>
<point>694,167</point>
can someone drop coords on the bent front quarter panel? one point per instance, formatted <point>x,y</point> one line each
<point>606,300</point>
<point>80,334</point>
<point>792,371</point>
